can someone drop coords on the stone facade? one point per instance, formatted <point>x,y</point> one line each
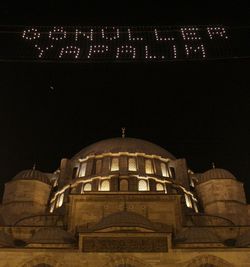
<point>124,202</point>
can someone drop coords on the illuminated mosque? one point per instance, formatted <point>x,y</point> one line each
<point>124,202</point>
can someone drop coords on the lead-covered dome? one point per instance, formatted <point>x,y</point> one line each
<point>216,174</point>
<point>130,145</point>
<point>32,174</point>
<point>124,219</point>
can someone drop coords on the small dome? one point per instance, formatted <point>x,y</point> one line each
<point>196,235</point>
<point>216,174</point>
<point>243,240</point>
<point>6,240</point>
<point>52,235</point>
<point>116,145</point>
<point>32,175</point>
<point>124,219</point>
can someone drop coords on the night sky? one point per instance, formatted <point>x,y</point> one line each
<point>196,110</point>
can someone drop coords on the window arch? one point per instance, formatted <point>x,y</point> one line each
<point>87,187</point>
<point>132,164</point>
<point>115,164</point>
<point>60,200</point>
<point>164,170</point>
<point>123,185</point>
<point>142,185</point>
<point>148,166</point>
<point>52,207</point>
<point>83,169</point>
<point>98,166</point>
<point>105,185</point>
<point>159,187</point>
<point>188,201</point>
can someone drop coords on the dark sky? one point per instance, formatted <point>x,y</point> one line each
<point>196,110</point>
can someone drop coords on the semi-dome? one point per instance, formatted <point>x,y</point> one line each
<point>32,174</point>
<point>52,235</point>
<point>131,145</point>
<point>216,174</point>
<point>124,219</point>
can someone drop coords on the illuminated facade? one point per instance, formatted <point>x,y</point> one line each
<point>124,202</point>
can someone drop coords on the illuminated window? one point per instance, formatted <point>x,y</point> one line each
<point>124,185</point>
<point>87,187</point>
<point>164,170</point>
<point>172,172</point>
<point>115,164</point>
<point>188,201</point>
<point>132,164</point>
<point>148,166</point>
<point>52,207</point>
<point>98,166</point>
<point>159,187</point>
<point>105,185</point>
<point>60,201</point>
<point>195,207</point>
<point>142,185</point>
<point>83,169</point>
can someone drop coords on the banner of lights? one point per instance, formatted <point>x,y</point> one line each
<point>121,44</point>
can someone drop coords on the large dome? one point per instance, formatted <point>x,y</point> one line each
<point>131,145</point>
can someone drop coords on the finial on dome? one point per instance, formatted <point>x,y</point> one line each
<point>123,132</point>
<point>213,165</point>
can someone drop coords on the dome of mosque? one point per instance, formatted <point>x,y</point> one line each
<point>130,145</point>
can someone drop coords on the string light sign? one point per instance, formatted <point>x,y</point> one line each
<point>117,44</point>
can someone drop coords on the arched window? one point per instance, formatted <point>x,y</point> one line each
<point>98,166</point>
<point>52,207</point>
<point>115,164</point>
<point>132,164</point>
<point>60,200</point>
<point>195,207</point>
<point>164,170</point>
<point>159,187</point>
<point>142,185</point>
<point>188,201</point>
<point>105,185</point>
<point>148,166</point>
<point>83,169</point>
<point>123,185</point>
<point>87,187</point>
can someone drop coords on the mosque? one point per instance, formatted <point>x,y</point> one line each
<point>124,202</point>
